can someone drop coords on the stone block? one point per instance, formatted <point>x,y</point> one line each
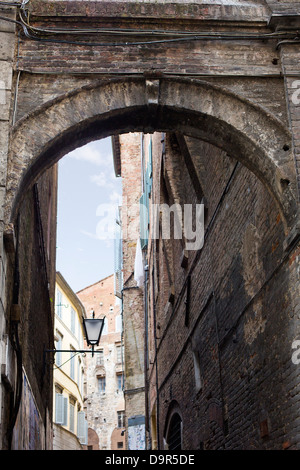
<point>7,26</point>
<point>2,201</point>
<point>3,151</point>
<point>6,75</point>
<point>7,43</point>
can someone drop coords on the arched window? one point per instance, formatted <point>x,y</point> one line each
<point>173,427</point>
<point>174,432</point>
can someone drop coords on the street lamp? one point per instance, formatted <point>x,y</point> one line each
<point>93,329</point>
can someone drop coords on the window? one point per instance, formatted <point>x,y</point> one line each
<point>78,372</point>
<point>174,433</point>
<point>82,428</point>
<point>119,354</point>
<point>58,354</point>
<point>72,415</point>
<point>58,303</point>
<point>105,330</point>
<point>100,358</point>
<point>198,381</point>
<point>81,381</point>
<point>121,419</point>
<point>101,384</point>
<point>120,445</point>
<point>61,409</point>
<point>72,363</point>
<point>73,320</point>
<point>120,381</point>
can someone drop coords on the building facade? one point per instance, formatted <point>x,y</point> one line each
<point>205,319</point>
<point>69,423</point>
<point>225,75</point>
<point>104,375</point>
<point>127,152</point>
<point>26,381</point>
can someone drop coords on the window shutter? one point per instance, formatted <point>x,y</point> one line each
<point>144,202</point>
<point>86,432</point>
<point>144,220</point>
<point>59,303</point>
<point>65,411</point>
<point>73,320</point>
<point>72,417</point>
<point>72,364</point>
<point>59,408</point>
<point>82,427</point>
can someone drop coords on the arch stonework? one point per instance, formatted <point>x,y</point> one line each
<point>244,130</point>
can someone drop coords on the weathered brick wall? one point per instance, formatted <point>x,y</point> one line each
<point>291,59</point>
<point>56,67</point>
<point>30,292</point>
<point>53,65</point>
<point>102,409</point>
<point>242,318</point>
<point>252,68</point>
<point>133,304</point>
<point>7,35</point>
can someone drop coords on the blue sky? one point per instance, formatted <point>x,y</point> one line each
<point>86,186</point>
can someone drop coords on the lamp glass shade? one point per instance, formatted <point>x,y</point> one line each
<point>93,329</point>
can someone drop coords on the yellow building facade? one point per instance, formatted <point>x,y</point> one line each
<point>69,420</point>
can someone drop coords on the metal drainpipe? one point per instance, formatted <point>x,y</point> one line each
<point>146,352</point>
<point>219,361</point>
<point>155,348</point>
<point>16,345</point>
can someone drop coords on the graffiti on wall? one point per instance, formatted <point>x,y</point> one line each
<point>29,432</point>
<point>136,433</point>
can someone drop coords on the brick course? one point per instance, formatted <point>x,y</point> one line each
<point>241,321</point>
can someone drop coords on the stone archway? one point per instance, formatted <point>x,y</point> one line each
<point>198,109</point>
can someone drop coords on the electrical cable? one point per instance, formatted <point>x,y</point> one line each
<point>179,36</point>
<point>10,20</point>
<point>176,35</point>
<point>147,32</point>
<point>10,4</point>
<point>137,43</point>
<point>296,40</point>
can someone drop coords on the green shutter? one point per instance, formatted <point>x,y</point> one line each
<point>118,259</point>
<point>144,202</point>
<point>143,221</point>
<point>82,427</point>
